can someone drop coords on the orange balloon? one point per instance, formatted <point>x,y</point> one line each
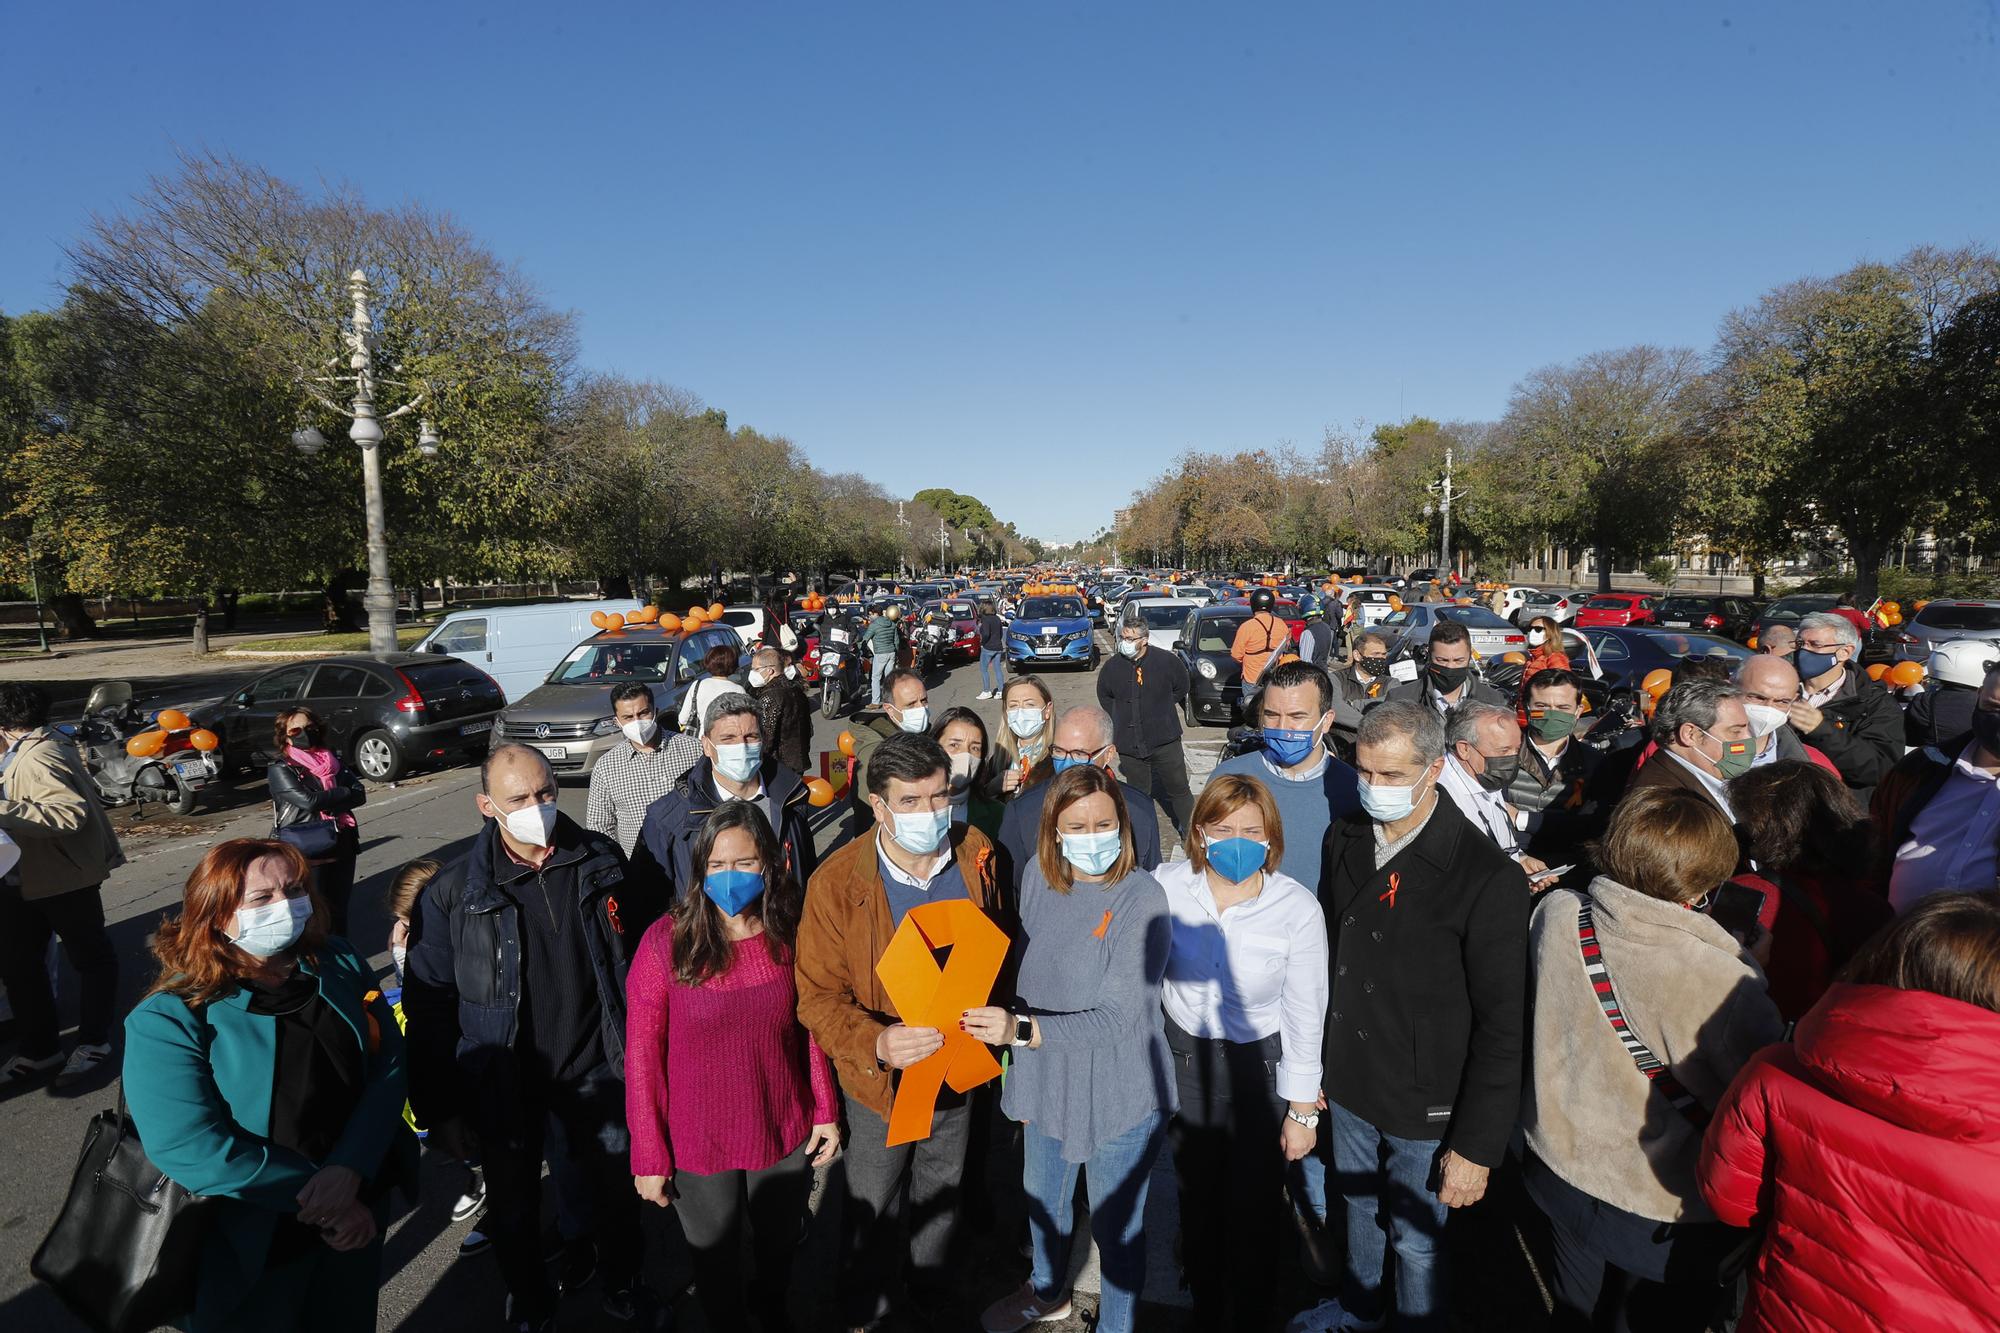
<point>1516,658</point>
<point>146,743</point>
<point>714,611</point>
<point>614,621</point>
<point>846,743</point>
<point>1877,671</point>
<point>670,622</point>
<point>599,619</point>
<point>1657,682</point>
<point>1921,603</point>
<point>648,615</point>
<point>1905,674</point>
<point>201,738</point>
<point>172,719</point>
<point>819,792</point>
<point>1753,642</point>
<point>691,619</point>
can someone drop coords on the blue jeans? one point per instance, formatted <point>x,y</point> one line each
<point>879,666</point>
<point>992,674</point>
<point>1386,1183</point>
<point>1116,1176</point>
<point>1307,1185</point>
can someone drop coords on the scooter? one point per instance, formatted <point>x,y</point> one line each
<point>927,645</point>
<point>173,776</point>
<point>839,665</point>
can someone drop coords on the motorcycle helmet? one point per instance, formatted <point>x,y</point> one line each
<point>1262,600</point>
<point>1964,661</point>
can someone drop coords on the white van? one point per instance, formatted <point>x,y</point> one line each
<point>518,645</point>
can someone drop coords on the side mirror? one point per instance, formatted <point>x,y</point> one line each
<point>435,646</point>
<point>242,699</point>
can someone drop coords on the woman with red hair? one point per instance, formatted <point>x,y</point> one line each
<point>264,1069</point>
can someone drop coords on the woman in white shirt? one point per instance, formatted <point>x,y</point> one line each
<point>717,667</point>
<point>1245,1000</point>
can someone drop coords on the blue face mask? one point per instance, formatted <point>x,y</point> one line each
<point>919,834</point>
<point>1092,853</point>
<point>1237,859</point>
<point>739,763</point>
<point>1812,665</point>
<point>1063,763</point>
<point>1287,748</point>
<point>733,890</point>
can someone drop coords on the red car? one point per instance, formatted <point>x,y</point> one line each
<point>1619,610</point>
<point>1282,609</point>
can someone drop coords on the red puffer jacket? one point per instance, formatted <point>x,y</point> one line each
<point>1871,1150</point>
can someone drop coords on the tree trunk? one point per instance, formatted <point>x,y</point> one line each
<point>229,597</point>
<point>201,627</point>
<point>1757,580</point>
<point>1604,556</point>
<point>337,607</point>
<point>72,616</point>
<point>614,585</point>
<point>1868,570</point>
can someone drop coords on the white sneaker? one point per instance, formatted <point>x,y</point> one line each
<point>1328,1317</point>
<point>1014,1312</point>
<point>81,1061</point>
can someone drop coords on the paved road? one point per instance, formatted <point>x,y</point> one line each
<point>427,1287</point>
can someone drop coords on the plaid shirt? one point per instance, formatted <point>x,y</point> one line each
<point>627,781</point>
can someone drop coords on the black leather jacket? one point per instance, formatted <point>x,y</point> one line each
<point>297,797</point>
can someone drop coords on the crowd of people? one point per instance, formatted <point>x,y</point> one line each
<point>1702,1000</point>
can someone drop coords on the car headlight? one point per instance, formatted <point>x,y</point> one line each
<point>1206,668</point>
<point>604,726</point>
<point>1077,637</point>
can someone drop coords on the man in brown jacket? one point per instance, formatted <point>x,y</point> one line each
<point>1704,739</point>
<point>854,904</point>
<point>49,807</point>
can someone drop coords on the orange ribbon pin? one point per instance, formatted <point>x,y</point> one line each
<point>1395,883</point>
<point>1102,927</point>
<point>926,995</point>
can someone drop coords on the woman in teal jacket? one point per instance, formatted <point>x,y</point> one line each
<point>266,1070</point>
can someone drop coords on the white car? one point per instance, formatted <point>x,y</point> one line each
<point>1164,618</point>
<point>1517,595</point>
<point>1372,603</point>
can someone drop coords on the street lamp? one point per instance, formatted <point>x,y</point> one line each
<point>1445,493</point>
<point>366,432</point>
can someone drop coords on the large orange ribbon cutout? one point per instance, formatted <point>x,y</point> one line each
<point>929,996</point>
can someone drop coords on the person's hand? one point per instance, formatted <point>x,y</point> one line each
<point>1460,1183</point>
<point>1805,718</point>
<point>1295,1140</point>
<point>991,1024</point>
<point>1010,781</point>
<point>1323,1107</point>
<point>653,1189</point>
<point>354,1228</point>
<point>1532,866</point>
<point>899,1046</point>
<point>455,1138</point>
<point>399,933</point>
<point>326,1197</point>
<point>823,1144</point>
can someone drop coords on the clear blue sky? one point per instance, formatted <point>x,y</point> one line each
<point>1034,250</point>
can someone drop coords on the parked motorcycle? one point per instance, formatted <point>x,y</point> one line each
<point>173,776</point>
<point>839,665</point>
<point>927,645</point>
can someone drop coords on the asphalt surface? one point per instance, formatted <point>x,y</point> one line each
<point>427,1285</point>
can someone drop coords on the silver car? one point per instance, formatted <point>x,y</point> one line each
<point>568,717</point>
<point>1491,636</point>
<point>1941,622</point>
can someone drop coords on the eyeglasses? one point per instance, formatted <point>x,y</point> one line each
<point>1085,755</point>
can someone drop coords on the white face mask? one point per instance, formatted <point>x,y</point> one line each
<point>272,928</point>
<point>1131,647</point>
<point>1537,637</point>
<point>1765,719</point>
<point>963,765</point>
<point>758,679</point>
<point>400,954</point>
<point>532,824</point>
<point>739,763</point>
<point>1025,722</point>
<point>640,730</point>
<point>916,719</point>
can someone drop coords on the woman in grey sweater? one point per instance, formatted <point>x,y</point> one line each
<point>1092,1083</point>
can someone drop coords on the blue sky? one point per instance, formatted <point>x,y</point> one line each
<point>1033,251</point>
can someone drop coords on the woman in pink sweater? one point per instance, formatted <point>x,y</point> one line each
<point>730,1103</point>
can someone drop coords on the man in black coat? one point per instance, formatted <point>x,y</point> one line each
<point>1844,715</point>
<point>1447,678</point>
<point>1427,932</point>
<point>515,999</point>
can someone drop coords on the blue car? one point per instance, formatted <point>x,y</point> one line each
<point>1051,631</point>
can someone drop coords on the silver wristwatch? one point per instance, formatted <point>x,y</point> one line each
<point>1310,1121</point>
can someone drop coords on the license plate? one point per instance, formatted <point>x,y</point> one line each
<point>554,751</point>
<point>193,769</point>
<point>829,660</point>
<point>474,728</point>
<point>1049,650</point>
<point>1675,624</point>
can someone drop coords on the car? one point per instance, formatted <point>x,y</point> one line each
<point>1288,612</point>
<point>1941,622</point>
<point>516,645</point>
<point>1513,597</point>
<point>1557,606</point>
<point>1623,657</point>
<point>1215,681</point>
<point>1163,617</point>
<point>963,613</point>
<point>1051,631</point>
<point>1426,575</point>
<point>568,717</point>
<point>1195,592</point>
<point>1410,630</point>
<point>1372,604</point>
<point>1789,610</point>
<point>1732,617</point>
<point>386,712</point>
<point>1609,610</point>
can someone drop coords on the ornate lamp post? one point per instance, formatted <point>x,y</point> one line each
<point>366,432</point>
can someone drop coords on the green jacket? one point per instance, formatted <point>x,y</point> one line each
<point>199,1089</point>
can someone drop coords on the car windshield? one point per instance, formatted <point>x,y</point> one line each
<point>1162,617</point>
<point>1051,608</point>
<point>1607,604</point>
<point>1788,609</point>
<point>1217,633</point>
<point>1670,645</point>
<point>1473,617</point>
<point>599,660</point>
<point>1959,616</point>
<point>1686,606</point>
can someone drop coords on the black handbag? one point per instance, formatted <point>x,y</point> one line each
<point>316,839</point>
<point>125,1252</point>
